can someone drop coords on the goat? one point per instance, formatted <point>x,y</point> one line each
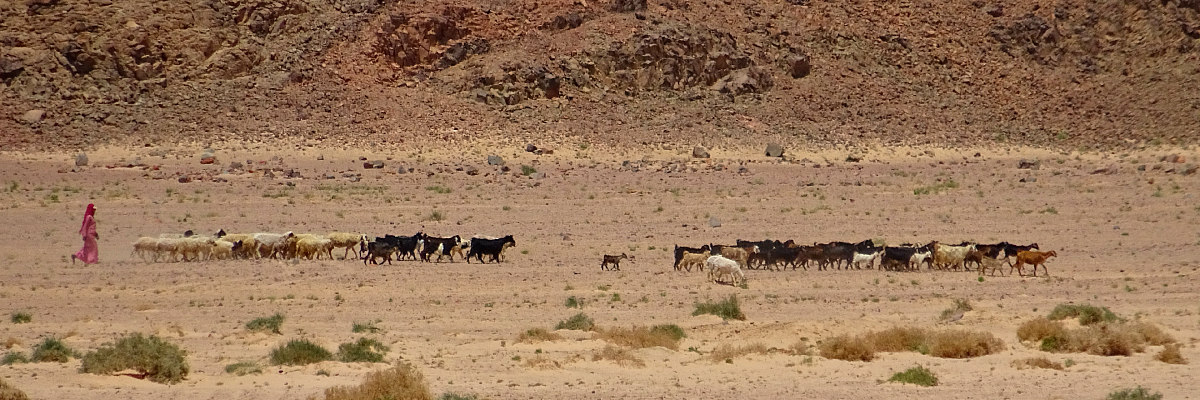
<point>680,250</point>
<point>719,266</point>
<point>1033,258</point>
<point>614,260</point>
<point>690,259</point>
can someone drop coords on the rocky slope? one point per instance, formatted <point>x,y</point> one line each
<point>80,73</point>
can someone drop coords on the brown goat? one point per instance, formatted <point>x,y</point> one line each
<point>614,260</point>
<point>1033,258</point>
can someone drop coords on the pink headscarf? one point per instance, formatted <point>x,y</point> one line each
<point>91,210</point>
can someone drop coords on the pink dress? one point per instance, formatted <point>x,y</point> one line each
<point>90,253</point>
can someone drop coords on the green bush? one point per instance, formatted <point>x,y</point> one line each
<point>1138,393</point>
<point>153,358</point>
<point>52,349</point>
<point>368,327</point>
<point>21,317</point>
<point>573,302</point>
<point>1087,314</point>
<point>299,352</point>
<point>579,322</point>
<point>14,357</point>
<point>266,324</point>
<point>726,309</point>
<point>671,330</point>
<point>243,368</point>
<point>364,350</point>
<point>917,375</point>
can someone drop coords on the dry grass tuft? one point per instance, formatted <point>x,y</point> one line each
<point>963,344</point>
<point>1036,362</point>
<point>10,342</point>
<point>538,335</point>
<point>641,337</point>
<point>540,362</point>
<point>726,352</point>
<point>1170,355</point>
<point>1087,314</point>
<point>400,382</point>
<point>897,339</point>
<point>1040,328</point>
<point>618,355</point>
<point>7,392</point>
<point>801,348</point>
<point>1152,334</point>
<point>846,347</point>
<point>1104,339</point>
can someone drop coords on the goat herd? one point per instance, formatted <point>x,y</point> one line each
<point>725,260</point>
<point>289,245</point>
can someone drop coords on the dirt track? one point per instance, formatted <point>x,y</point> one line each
<point>1127,240</point>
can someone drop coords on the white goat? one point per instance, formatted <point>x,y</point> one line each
<point>719,267</point>
<point>868,258</point>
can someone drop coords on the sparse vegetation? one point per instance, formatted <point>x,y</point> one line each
<point>1105,339</point>
<point>573,302</point>
<point>726,309</point>
<point>363,350</point>
<point>579,322</point>
<point>457,396</point>
<point>266,324</point>
<point>917,375</point>
<point>52,350</point>
<point>618,355</point>
<point>400,382</point>
<point>936,188</point>
<point>365,327</point>
<point>528,170</point>
<point>952,343</point>
<point>956,309</point>
<point>1087,314</point>
<point>846,347</point>
<point>537,335</point>
<point>435,216</point>
<point>1036,362</point>
<point>153,358</point>
<point>14,357</point>
<point>1138,393</point>
<point>726,352</point>
<point>243,368</point>
<point>8,392</point>
<point>641,337</point>
<point>299,352</point>
<point>1170,355</point>
<point>1040,328</point>
<point>21,317</point>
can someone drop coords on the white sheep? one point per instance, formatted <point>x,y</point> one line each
<point>953,257</point>
<point>312,246</point>
<point>223,249</point>
<point>719,267</point>
<point>249,247</point>
<point>350,241</point>
<point>273,244</point>
<point>145,245</point>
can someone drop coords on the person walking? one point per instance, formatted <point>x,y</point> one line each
<point>90,253</point>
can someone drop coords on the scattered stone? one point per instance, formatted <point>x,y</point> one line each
<point>799,66</point>
<point>1173,158</point>
<point>700,152</point>
<point>995,10</point>
<point>185,179</point>
<point>628,5</point>
<point>495,160</point>
<point>401,170</point>
<point>1028,180</point>
<point>330,176</point>
<point>537,175</point>
<point>977,155</point>
<point>321,157</point>
<point>377,164</point>
<point>714,222</point>
<point>530,148</point>
<point>34,116</point>
<point>291,174</point>
<point>774,150</point>
<point>208,159</point>
<point>541,151</point>
<point>1142,168</point>
<point>1109,170</point>
<point>470,170</point>
<point>355,178</point>
<point>1029,164</point>
<point>1190,169</point>
<point>853,158</point>
<point>81,160</point>
<point>236,165</point>
<point>268,174</point>
<point>505,168</point>
<point>743,170</point>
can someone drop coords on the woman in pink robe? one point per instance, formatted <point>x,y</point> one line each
<point>90,253</point>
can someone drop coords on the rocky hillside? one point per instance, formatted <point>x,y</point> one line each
<point>1076,73</point>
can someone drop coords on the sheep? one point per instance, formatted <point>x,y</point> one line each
<point>919,257</point>
<point>350,241</point>
<point>249,247</point>
<point>868,258</point>
<point>145,245</point>
<point>690,259</point>
<point>1033,258</point>
<point>313,246</point>
<point>953,257</point>
<point>169,247</point>
<point>614,260</point>
<point>198,248</point>
<point>223,249</point>
<point>719,267</point>
<point>273,244</point>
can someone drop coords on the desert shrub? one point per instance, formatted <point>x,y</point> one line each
<point>365,327</point>
<point>573,302</point>
<point>299,352</point>
<point>21,317</point>
<point>153,358</point>
<point>726,309</point>
<point>458,396</point>
<point>898,339</point>
<point>537,335</point>
<point>363,350</point>
<point>618,355</point>
<point>14,357</point>
<point>52,350</point>
<point>847,348</point>
<point>917,375</point>
<point>642,337</point>
<point>243,368</point>
<point>1151,333</point>
<point>1170,355</point>
<point>1040,328</point>
<point>1138,393</point>
<point>1036,362</point>
<point>579,322</point>
<point>1104,340</point>
<point>963,344</point>
<point>957,308</point>
<point>8,392</point>
<point>400,382</point>
<point>1087,314</point>
<point>266,324</point>
<point>728,352</point>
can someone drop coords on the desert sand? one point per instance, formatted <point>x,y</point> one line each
<point>1127,239</point>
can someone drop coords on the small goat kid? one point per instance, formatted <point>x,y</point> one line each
<point>614,260</point>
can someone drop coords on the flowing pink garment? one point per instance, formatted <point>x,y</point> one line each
<point>90,253</point>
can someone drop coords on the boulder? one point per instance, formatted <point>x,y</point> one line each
<point>81,160</point>
<point>33,116</point>
<point>699,152</point>
<point>799,66</point>
<point>470,170</point>
<point>495,160</point>
<point>714,222</point>
<point>530,148</point>
<point>1029,164</point>
<point>774,150</point>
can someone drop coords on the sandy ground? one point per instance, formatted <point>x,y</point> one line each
<point>1129,240</point>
